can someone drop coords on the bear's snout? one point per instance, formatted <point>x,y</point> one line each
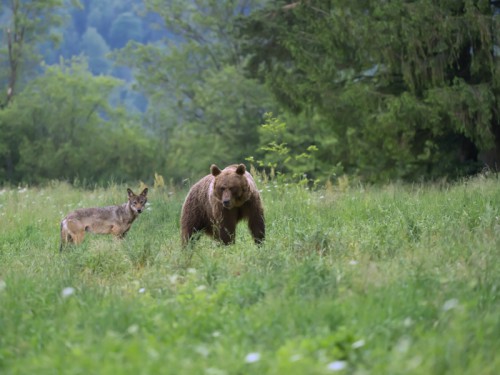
<point>226,203</point>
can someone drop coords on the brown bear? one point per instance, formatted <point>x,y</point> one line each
<point>217,202</point>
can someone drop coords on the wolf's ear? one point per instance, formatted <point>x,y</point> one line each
<point>144,192</point>
<point>214,170</point>
<point>130,192</point>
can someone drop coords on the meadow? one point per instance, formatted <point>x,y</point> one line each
<point>399,279</point>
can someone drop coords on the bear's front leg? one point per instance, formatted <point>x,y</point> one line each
<point>254,213</point>
<point>225,228</point>
<point>257,227</point>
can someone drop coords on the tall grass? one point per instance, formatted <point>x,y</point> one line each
<point>391,280</point>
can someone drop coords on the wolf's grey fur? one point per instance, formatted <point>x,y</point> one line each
<point>115,220</point>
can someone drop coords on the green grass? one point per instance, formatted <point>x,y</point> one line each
<point>391,280</point>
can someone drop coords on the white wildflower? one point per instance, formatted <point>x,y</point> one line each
<point>173,279</point>
<point>450,304</point>
<point>215,333</point>
<point>408,322</point>
<point>3,285</point>
<point>67,292</point>
<point>403,345</point>
<point>153,354</point>
<point>337,365</point>
<point>358,344</point>
<point>202,350</point>
<point>133,329</point>
<point>252,357</point>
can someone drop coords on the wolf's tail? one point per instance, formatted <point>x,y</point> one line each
<point>60,246</point>
<point>62,239</point>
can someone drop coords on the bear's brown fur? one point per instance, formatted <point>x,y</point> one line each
<point>217,202</point>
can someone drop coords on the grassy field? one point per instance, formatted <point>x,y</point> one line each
<point>389,280</point>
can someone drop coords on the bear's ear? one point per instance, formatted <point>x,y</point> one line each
<point>241,169</point>
<point>215,170</point>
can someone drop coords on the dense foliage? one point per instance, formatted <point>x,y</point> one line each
<point>313,88</point>
<point>397,89</point>
<point>62,126</point>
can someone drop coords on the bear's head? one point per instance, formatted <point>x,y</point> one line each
<point>231,187</point>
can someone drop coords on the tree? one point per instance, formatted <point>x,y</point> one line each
<point>27,24</point>
<point>125,28</point>
<point>403,89</point>
<point>95,48</point>
<point>200,103</point>
<point>61,126</point>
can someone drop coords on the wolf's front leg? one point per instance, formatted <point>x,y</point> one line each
<point>121,236</point>
<point>119,232</point>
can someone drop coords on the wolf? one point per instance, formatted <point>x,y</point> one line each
<point>115,220</point>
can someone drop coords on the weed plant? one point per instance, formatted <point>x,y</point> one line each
<point>360,280</point>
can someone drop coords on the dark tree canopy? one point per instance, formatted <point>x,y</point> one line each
<point>409,88</point>
<point>314,89</point>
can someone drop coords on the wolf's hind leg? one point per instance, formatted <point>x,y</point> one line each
<point>72,232</point>
<point>65,236</point>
